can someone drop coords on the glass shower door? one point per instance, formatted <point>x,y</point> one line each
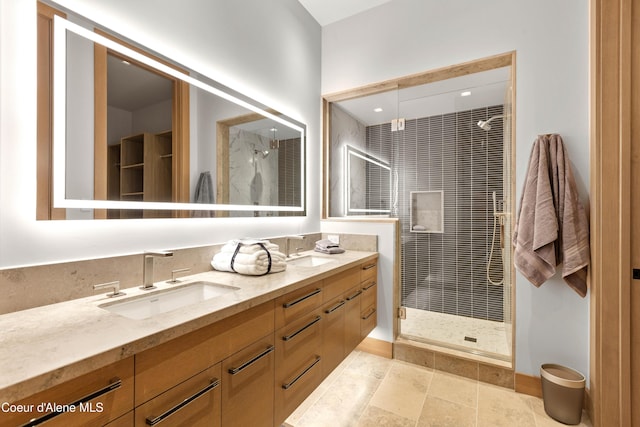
<point>448,170</point>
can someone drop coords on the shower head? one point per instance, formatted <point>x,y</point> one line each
<point>264,153</point>
<point>484,124</point>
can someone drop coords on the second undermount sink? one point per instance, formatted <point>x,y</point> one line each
<point>308,261</point>
<point>163,301</point>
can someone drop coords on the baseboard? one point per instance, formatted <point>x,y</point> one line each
<point>528,384</point>
<point>377,347</point>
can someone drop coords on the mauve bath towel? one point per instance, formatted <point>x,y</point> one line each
<point>551,226</point>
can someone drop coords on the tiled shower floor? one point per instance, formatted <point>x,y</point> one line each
<point>448,329</point>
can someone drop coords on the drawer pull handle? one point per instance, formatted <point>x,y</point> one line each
<point>373,310</point>
<point>356,295</point>
<point>310,324</point>
<point>295,380</point>
<point>234,371</point>
<point>335,307</point>
<point>115,384</point>
<point>368,267</point>
<point>371,285</point>
<point>299,300</point>
<point>151,421</point>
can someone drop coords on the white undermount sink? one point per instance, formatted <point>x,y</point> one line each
<point>308,261</point>
<point>163,301</point>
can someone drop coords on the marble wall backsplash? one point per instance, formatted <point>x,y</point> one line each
<point>344,130</point>
<point>253,178</point>
<point>23,288</point>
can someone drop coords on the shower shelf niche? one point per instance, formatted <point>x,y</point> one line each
<point>426,213</point>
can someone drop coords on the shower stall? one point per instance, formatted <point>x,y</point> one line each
<point>453,189</point>
<point>439,162</point>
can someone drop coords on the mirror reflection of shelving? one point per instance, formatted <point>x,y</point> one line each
<point>140,169</point>
<point>426,212</point>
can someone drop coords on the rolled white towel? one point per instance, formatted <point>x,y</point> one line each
<point>250,264</point>
<point>249,246</point>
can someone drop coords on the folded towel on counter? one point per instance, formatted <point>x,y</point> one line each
<point>326,246</point>
<point>250,257</point>
<point>326,243</point>
<point>331,251</point>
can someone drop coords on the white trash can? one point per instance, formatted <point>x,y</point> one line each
<point>562,393</point>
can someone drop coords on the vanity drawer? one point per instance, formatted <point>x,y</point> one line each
<point>369,270</point>
<point>194,402</point>
<point>369,294</point>
<point>247,392</point>
<point>333,334</point>
<point>112,387</point>
<point>340,283</point>
<point>170,363</point>
<point>368,321</point>
<point>293,390</point>
<point>297,303</point>
<point>296,343</point>
<point>352,335</point>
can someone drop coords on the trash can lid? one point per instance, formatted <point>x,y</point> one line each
<point>562,375</point>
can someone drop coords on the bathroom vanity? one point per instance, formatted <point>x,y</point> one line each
<point>246,357</point>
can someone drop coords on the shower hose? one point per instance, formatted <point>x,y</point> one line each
<point>496,219</point>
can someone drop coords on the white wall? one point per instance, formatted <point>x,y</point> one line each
<point>238,43</point>
<point>403,37</point>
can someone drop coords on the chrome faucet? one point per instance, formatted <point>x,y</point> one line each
<point>111,285</point>
<point>147,268</point>
<point>288,244</point>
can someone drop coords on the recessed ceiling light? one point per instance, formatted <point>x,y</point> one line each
<point>377,110</point>
<point>126,62</point>
<point>466,93</point>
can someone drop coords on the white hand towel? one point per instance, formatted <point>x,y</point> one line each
<point>249,246</point>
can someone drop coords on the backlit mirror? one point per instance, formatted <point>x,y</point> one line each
<point>368,183</point>
<point>140,136</point>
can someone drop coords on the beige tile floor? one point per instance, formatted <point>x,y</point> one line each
<point>367,390</point>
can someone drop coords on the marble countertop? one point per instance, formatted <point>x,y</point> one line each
<point>46,346</point>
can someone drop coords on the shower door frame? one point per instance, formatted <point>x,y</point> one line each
<point>435,75</point>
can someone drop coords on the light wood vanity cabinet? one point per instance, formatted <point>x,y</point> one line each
<point>172,362</point>
<point>251,369</point>
<point>319,326</point>
<point>98,397</point>
<point>298,369</point>
<point>369,299</point>
<point>181,368</point>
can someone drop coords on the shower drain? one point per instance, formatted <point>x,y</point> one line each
<point>471,339</point>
